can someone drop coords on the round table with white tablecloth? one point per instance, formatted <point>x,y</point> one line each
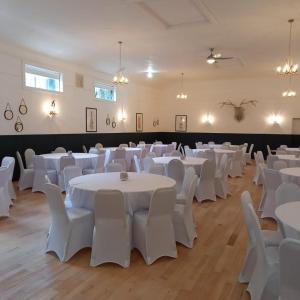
<point>294,151</point>
<point>290,175</point>
<point>137,189</point>
<point>290,159</point>
<point>82,160</point>
<point>187,162</point>
<point>289,216</point>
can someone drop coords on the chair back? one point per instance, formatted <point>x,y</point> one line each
<point>272,179</point>
<point>170,148</point>
<point>69,173</point>
<point>287,192</point>
<point>162,202</point>
<point>270,160</point>
<point>4,177</point>
<point>157,169</point>
<point>151,154</point>
<point>191,193</point>
<point>99,146</point>
<point>279,164</point>
<point>189,152</point>
<point>208,171</point>
<point>198,145</point>
<point>93,150</point>
<point>120,153</point>
<point>56,204</point>
<point>289,266</point>
<point>251,149</point>
<point>137,164</point>
<point>113,167</point>
<point>65,161</point>
<point>175,170</point>
<point>60,150</point>
<point>39,163</point>
<point>84,149</point>
<point>175,153</point>
<point>148,163</point>
<point>260,157</point>
<point>132,145</point>
<point>210,155</point>
<point>9,162</point>
<point>246,200</point>
<point>122,162</point>
<point>98,163</point>
<point>223,165</point>
<point>20,161</point>
<point>123,146</point>
<point>29,155</point>
<point>188,176</point>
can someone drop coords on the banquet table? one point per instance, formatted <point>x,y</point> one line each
<point>137,190</point>
<point>290,159</point>
<point>130,152</point>
<point>289,216</point>
<point>292,150</point>
<point>82,160</point>
<point>217,151</point>
<point>290,175</point>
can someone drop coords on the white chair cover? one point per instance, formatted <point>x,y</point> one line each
<point>175,170</point>
<point>122,162</point>
<point>98,165</point>
<point>71,228</point>
<point>113,167</point>
<point>289,253</point>
<point>26,175</point>
<point>60,150</point>
<point>206,184</point>
<point>148,163</point>
<point>270,160</point>
<point>248,155</point>
<point>64,161</point>
<point>221,186</point>
<point>84,149</point>
<point>189,152</point>
<point>94,150</point>
<point>9,162</point>
<point>153,232</point>
<point>69,173</point>
<point>151,154</point>
<point>132,145</point>
<point>157,169</point>
<point>137,164</point>
<point>123,146</point>
<point>29,155</point>
<point>257,179</point>
<point>112,233</point>
<point>236,164</point>
<point>99,146</point>
<point>5,200</point>
<point>181,198</point>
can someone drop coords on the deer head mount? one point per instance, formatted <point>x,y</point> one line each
<point>239,110</point>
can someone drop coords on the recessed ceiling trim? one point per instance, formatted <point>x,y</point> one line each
<point>204,10</point>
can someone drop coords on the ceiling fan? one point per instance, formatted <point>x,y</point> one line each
<point>213,58</point>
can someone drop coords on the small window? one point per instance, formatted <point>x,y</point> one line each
<point>105,92</point>
<point>40,78</point>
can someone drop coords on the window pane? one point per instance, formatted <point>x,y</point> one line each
<point>105,92</point>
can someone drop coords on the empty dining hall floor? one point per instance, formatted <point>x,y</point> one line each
<point>208,271</point>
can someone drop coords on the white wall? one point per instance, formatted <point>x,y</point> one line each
<point>72,102</point>
<point>205,96</point>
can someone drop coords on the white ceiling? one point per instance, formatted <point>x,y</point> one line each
<point>174,35</point>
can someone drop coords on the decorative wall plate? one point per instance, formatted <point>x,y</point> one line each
<point>23,107</point>
<point>8,113</point>
<point>19,125</point>
<point>113,123</point>
<point>107,121</point>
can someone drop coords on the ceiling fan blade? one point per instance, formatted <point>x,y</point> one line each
<point>224,57</point>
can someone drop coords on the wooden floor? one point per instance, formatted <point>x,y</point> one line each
<point>208,271</point>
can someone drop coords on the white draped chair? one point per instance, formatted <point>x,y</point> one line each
<point>153,231</point>
<point>183,220</point>
<point>270,160</point>
<point>272,182</point>
<point>157,169</point>
<point>119,156</point>
<point>121,162</point>
<point>132,145</point>
<point>40,170</point>
<point>270,152</point>
<point>94,150</point>
<point>198,145</point>
<point>271,238</point>
<point>175,170</point>
<point>181,197</point>
<point>151,154</point>
<point>84,149</point>
<point>97,165</point>
<point>60,150</point>
<point>148,162</point>
<point>113,167</point>
<point>262,168</point>
<point>206,184</point>
<point>26,175</point>
<point>221,185</point>
<point>123,146</point>
<point>69,173</point>
<point>9,162</point>
<point>71,228</point>
<point>137,164</point>
<point>189,152</point>
<point>236,164</point>
<point>289,258</point>
<point>99,146</point>
<point>248,155</point>
<point>64,161</point>
<point>112,232</point>
<point>5,200</point>
<point>29,155</point>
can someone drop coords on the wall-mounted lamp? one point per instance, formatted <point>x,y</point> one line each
<point>208,119</point>
<point>155,121</point>
<point>275,119</point>
<point>52,109</point>
<point>122,115</point>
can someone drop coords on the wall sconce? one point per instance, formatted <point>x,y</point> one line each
<point>208,119</point>
<point>122,115</point>
<point>155,121</point>
<point>52,109</point>
<point>275,119</point>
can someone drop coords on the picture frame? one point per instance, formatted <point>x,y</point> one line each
<point>181,123</point>
<point>91,119</point>
<point>139,122</point>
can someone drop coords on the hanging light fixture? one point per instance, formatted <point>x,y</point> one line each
<point>288,68</point>
<point>119,78</point>
<point>181,95</point>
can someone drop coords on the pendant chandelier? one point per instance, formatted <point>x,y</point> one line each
<point>181,95</point>
<point>289,68</point>
<point>119,78</point>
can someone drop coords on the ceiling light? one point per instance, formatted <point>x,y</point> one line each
<point>211,60</point>
<point>119,78</point>
<point>149,74</point>
<point>289,93</point>
<point>181,95</point>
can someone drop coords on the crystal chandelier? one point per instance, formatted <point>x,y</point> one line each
<point>288,68</point>
<point>181,95</point>
<point>119,78</point>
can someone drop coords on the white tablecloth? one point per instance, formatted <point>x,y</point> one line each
<point>159,149</point>
<point>292,150</point>
<point>290,175</point>
<point>137,189</point>
<point>82,160</point>
<point>290,159</point>
<point>289,216</point>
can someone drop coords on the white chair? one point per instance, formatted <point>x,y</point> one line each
<point>279,164</point>
<point>5,200</point>
<point>174,144</point>
<point>137,164</point>
<point>270,160</point>
<point>97,165</point>
<point>175,170</point>
<point>183,220</point>
<point>121,162</point>
<point>99,146</point>
<point>221,186</point>
<point>266,267</point>
<point>262,168</point>
<point>175,153</point>
<point>157,169</point>
<point>210,155</point>
<point>142,142</point>
<point>132,145</point>
<point>271,239</point>
<point>112,232</point>
<point>211,143</point>
<point>71,228</point>
<point>189,153</point>
<point>272,182</point>
<point>29,155</point>
<point>151,154</point>
<point>9,162</point>
<point>289,258</point>
<point>60,150</point>
<point>270,152</point>
<point>26,175</point>
<point>248,155</point>
<point>170,148</point>
<point>198,145</point>
<point>236,164</point>
<point>120,155</point>
<point>158,143</point>
<point>69,173</point>
<point>123,146</point>
<point>94,150</point>
<point>153,231</point>
<point>113,167</point>
<point>181,197</point>
<point>40,170</point>
<point>64,161</point>
<point>84,149</point>
<point>206,184</point>
<point>258,176</point>
<point>148,163</point>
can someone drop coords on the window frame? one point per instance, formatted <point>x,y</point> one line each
<point>100,84</point>
<point>47,68</point>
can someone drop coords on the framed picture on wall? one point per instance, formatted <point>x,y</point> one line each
<point>91,119</point>
<point>181,123</point>
<point>139,122</point>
